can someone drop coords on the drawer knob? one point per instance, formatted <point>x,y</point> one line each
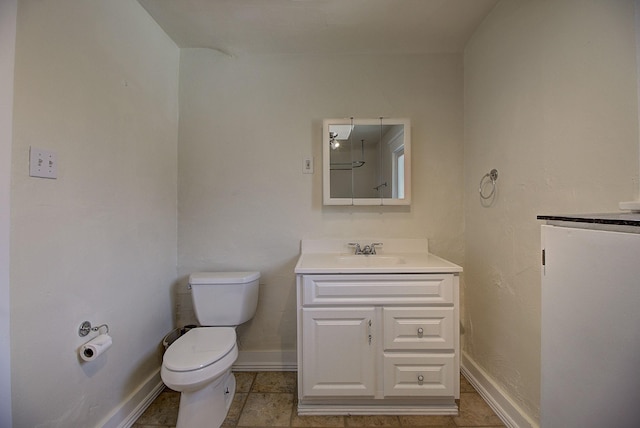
<point>420,332</point>
<point>420,379</point>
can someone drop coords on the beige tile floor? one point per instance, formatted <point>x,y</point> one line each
<point>267,399</point>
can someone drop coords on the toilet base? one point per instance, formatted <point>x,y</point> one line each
<point>207,407</point>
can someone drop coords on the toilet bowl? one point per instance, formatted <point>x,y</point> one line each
<point>198,364</point>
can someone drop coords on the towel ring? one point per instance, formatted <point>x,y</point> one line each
<point>493,176</point>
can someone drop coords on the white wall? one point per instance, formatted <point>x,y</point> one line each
<point>637,29</point>
<point>8,14</point>
<point>551,102</point>
<point>245,125</point>
<point>97,83</point>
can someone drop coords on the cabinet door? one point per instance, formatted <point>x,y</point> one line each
<point>590,328</point>
<point>338,352</point>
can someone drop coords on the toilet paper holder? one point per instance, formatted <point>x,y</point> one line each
<point>85,328</point>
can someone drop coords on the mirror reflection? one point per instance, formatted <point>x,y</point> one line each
<point>365,161</point>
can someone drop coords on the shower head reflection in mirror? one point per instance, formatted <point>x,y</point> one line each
<point>366,161</point>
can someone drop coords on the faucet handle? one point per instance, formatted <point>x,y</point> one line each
<point>358,250</point>
<point>373,246</point>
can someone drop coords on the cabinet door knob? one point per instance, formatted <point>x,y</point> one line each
<point>420,379</point>
<point>420,332</point>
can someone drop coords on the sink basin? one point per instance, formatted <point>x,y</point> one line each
<point>369,261</point>
<point>334,256</point>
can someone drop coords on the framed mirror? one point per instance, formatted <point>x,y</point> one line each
<point>366,161</point>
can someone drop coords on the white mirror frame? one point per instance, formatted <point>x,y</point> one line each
<point>326,163</point>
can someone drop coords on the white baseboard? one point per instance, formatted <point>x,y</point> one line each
<point>137,402</point>
<point>249,361</point>
<point>125,415</point>
<point>507,410</point>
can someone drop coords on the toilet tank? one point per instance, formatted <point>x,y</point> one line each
<point>224,298</point>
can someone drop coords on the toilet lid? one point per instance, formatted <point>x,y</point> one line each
<point>199,347</point>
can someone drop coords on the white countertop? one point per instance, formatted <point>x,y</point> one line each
<point>334,256</point>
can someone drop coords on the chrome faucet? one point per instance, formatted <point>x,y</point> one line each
<point>368,250</point>
<point>371,249</point>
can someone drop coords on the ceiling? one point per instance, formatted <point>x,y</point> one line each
<point>238,27</point>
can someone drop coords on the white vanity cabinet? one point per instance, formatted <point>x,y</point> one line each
<point>378,343</point>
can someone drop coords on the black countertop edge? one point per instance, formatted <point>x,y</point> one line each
<point>621,219</point>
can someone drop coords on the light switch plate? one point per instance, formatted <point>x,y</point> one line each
<point>307,165</point>
<point>42,163</point>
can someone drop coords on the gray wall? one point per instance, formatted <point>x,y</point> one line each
<point>8,14</point>
<point>245,125</point>
<point>545,93</point>
<point>551,102</point>
<point>97,83</point>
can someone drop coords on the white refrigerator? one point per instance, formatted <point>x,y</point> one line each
<point>590,328</point>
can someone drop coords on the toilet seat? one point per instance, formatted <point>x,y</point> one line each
<point>199,348</point>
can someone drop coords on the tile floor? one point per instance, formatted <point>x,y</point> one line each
<point>266,399</point>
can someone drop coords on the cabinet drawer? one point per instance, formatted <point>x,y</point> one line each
<point>425,375</point>
<point>418,328</point>
<point>415,289</point>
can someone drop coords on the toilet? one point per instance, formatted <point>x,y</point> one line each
<point>198,364</point>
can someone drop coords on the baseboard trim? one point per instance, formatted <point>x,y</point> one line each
<point>136,403</point>
<point>284,361</point>
<point>507,410</point>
